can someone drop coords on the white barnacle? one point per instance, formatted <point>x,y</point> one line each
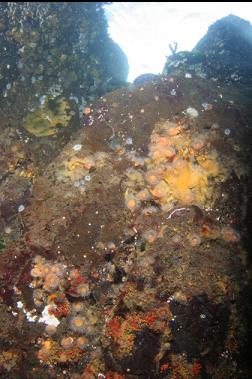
<point>192,112</point>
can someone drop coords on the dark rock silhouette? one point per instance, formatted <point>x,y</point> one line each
<point>144,78</point>
<point>224,53</point>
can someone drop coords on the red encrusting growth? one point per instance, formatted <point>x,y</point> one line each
<point>59,305</point>
<point>76,281</point>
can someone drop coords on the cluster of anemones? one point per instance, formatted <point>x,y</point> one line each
<point>78,286</point>
<point>179,165</point>
<point>69,349</point>
<point>47,277</point>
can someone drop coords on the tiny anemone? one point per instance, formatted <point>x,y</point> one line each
<point>170,153</point>
<point>229,234</point>
<point>119,149</point>
<point>160,153</point>
<point>187,197</point>
<point>160,190</point>
<point>198,143</point>
<point>150,235</point>
<point>38,302</point>
<point>46,346</point>
<point>77,306</point>
<point>152,177</point>
<point>74,273</point>
<point>194,239</point>
<point>51,282</point>
<point>168,206</point>
<point>90,330</point>
<point>50,329</point>
<point>89,162</point>
<point>92,316</point>
<point>100,245</point>
<point>81,342</point>
<point>111,246</point>
<point>174,130</point>
<point>180,297</point>
<point>160,141</point>
<point>46,269</point>
<point>143,195</point>
<point>38,295</point>
<point>78,324</point>
<point>67,342</point>
<point>132,203</point>
<point>38,259</point>
<point>62,357</point>
<point>36,272</point>
<point>176,239</point>
<point>83,290</point>
<point>149,210</point>
<point>75,163</point>
<point>134,177</point>
<point>137,160</point>
<point>146,261</point>
<point>58,269</point>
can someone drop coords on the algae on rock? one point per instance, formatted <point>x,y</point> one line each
<point>49,119</point>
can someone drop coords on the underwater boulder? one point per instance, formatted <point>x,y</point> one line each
<point>144,78</point>
<point>134,245</point>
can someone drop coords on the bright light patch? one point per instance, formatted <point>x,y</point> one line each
<point>144,30</point>
<point>48,319</point>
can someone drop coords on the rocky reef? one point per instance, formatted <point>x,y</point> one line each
<point>133,253</point>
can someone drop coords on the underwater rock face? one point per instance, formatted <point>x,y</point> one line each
<point>52,49</point>
<point>132,259</point>
<point>224,53</point>
<point>55,59</point>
